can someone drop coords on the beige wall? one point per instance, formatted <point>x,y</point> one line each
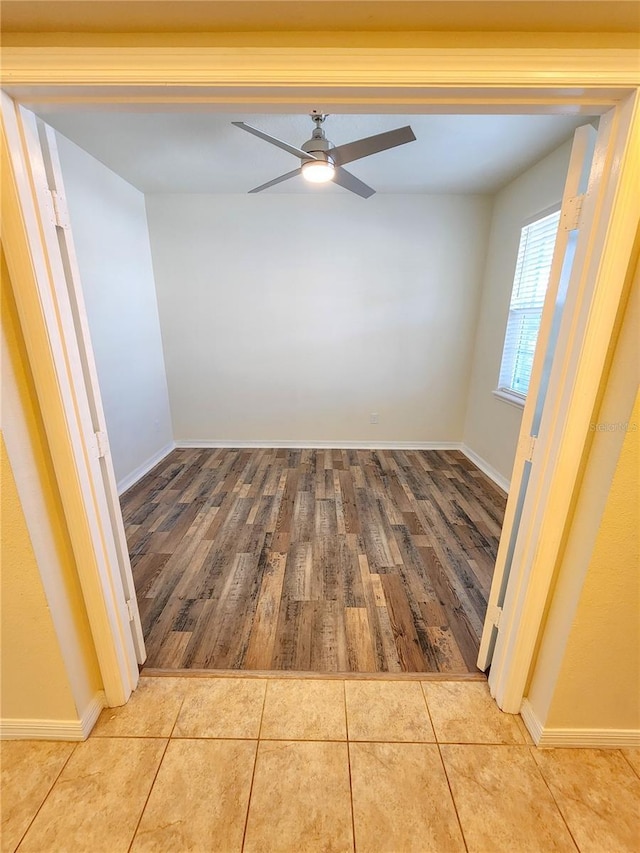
<point>49,666</point>
<point>34,681</point>
<point>492,425</point>
<point>587,672</point>
<point>599,681</point>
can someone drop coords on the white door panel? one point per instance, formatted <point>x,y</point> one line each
<point>559,279</point>
<point>104,481</point>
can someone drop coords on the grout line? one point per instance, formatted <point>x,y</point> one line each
<point>453,799</point>
<point>346,722</point>
<point>426,702</point>
<point>386,740</point>
<point>346,713</point>
<point>532,753</point>
<point>46,796</point>
<point>175,722</point>
<point>524,731</point>
<point>146,802</point>
<point>129,737</point>
<point>637,773</point>
<point>253,775</point>
<point>333,740</point>
<point>272,739</point>
<point>305,740</point>
<point>164,752</point>
<point>264,703</point>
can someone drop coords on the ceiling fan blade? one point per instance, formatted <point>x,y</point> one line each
<point>297,152</point>
<point>370,145</point>
<point>350,182</point>
<point>276,181</point>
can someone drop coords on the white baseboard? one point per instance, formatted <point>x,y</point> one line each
<point>139,472</point>
<point>590,738</point>
<point>531,721</point>
<point>322,445</point>
<point>297,444</point>
<point>487,469</point>
<point>54,729</point>
<point>92,712</point>
<point>577,738</point>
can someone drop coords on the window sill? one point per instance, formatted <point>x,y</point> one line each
<point>509,397</point>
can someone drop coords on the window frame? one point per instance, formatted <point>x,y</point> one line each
<point>503,392</point>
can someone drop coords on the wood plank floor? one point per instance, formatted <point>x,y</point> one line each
<point>313,560</point>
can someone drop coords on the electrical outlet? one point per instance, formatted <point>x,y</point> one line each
<point>373,418</point>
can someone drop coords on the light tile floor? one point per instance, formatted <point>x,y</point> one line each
<point>230,764</point>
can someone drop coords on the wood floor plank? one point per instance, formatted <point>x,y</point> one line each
<point>404,629</point>
<point>373,532</point>
<point>359,646</point>
<point>380,652</point>
<point>299,567</point>
<point>348,571</point>
<point>446,650</point>
<point>173,648</point>
<point>378,591</point>
<point>147,570</point>
<point>328,638</point>
<point>351,518</point>
<point>259,653</point>
<point>331,560</point>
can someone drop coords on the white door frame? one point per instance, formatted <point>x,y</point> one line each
<point>30,244</point>
<point>374,80</point>
<point>563,435</point>
<point>46,157</point>
<point>588,147</point>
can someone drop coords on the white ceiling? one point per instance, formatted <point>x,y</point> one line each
<point>204,153</point>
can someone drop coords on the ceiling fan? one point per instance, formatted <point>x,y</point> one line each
<point>322,161</point>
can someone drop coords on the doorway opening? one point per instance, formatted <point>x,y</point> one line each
<point>333,539</point>
<point>616,135</point>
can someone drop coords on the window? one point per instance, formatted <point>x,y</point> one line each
<point>537,241</point>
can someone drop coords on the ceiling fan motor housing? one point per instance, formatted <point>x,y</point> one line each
<point>318,146</point>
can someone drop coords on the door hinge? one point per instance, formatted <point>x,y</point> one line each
<point>59,210</point>
<point>100,444</point>
<point>571,212</point>
<point>129,609</point>
<point>527,447</point>
<point>493,614</point>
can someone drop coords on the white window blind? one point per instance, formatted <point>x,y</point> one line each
<point>533,266</point>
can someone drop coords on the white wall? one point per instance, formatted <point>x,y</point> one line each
<point>111,238</point>
<point>492,425</point>
<point>294,317</point>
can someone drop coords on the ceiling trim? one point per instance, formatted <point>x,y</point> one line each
<point>135,16</point>
<point>282,75</point>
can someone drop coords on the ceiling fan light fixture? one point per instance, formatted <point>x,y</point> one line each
<point>318,171</point>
